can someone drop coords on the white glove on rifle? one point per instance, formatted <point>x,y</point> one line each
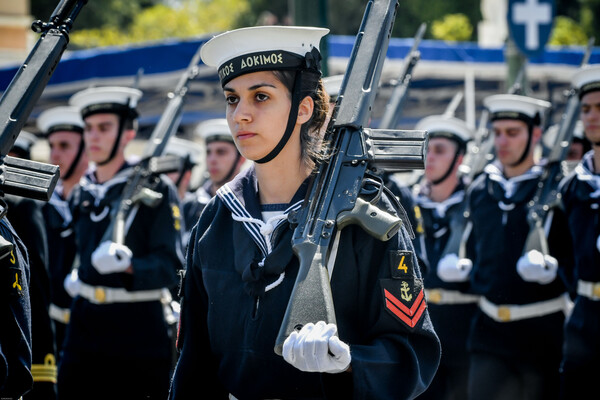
<point>111,257</point>
<point>453,269</point>
<point>72,283</point>
<point>536,267</point>
<point>316,348</point>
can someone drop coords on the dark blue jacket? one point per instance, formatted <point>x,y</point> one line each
<point>61,255</point>
<point>15,314</point>
<point>452,322</point>
<point>124,330</point>
<point>498,210</point>
<point>232,310</point>
<point>581,202</point>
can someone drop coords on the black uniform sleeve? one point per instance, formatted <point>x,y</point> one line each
<point>560,241</point>
<point>156,245</point>
<point>29,225</point>
<point>196,366</point>
<point>381,311</point>
<point>15,314</point>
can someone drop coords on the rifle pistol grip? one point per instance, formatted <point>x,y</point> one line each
<point>378,223</point>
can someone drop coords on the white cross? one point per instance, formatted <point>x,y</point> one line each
<point>532,14</point>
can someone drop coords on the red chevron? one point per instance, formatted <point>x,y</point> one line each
<point>403,312</point>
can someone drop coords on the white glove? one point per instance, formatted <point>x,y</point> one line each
<point>598,243</point>
<point>316,348</point>
<point>536,267</point>
<point>453,269</point>
<point>72,283</point>
<point>111,257</point>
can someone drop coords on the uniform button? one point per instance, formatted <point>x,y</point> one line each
<point>596,290</point>
<point>434,296</point>
<point>504,313</point>
<point>100,295</point>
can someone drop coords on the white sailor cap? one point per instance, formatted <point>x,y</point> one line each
<point>186,149</point>
<point>512,106</point>
<point>587,80</point>
<point>214,130</point>
<point>23,144</point>
<point>263,48</point>
<point>108,99</point>
<point>62,118</point>
<point>332,85</point>
<point>446,126</point>
<point>578,131</point>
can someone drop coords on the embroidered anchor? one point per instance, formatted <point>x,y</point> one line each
<point>406,296</point>
<point>16,283</point>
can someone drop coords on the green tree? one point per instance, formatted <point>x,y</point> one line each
<point>452,27</point>
<point>567,32</point>
<point>586,13</point>
<point>192,18</point>
<point>345,15</point>
<point>96,13</point>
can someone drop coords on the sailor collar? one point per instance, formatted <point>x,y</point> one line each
<point>90,183</point>
<point>241,197</point>
<point>584,173</point>
<point>510,185</point>
<point>441,207</point>
<point>61,205</point>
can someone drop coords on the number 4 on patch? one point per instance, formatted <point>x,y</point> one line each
<point>402,265</point>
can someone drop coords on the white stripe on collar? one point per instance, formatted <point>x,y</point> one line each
<point>61,206</point>
<point>441,207</point>
<point>260,231</point>
<point>583,170</point>
<point>98,190</point>
<point>511,185</point>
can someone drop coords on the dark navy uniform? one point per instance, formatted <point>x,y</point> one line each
<point>581,201</point>
<point>232,310</point>
<point>451,304</point>
<point>518,322</point>
<point>117,343</point>
<point>192,205</point>
<point>28,222</point>
<point>15,334</point>
<point>413,214</point>
<point>61,256</point>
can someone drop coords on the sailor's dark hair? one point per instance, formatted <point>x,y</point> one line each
<point>311,140</point>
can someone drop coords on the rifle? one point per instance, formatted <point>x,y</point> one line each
<point>547,195</point>
<point>137,189</point>
<point>481,152</point>
<point>332,201</point>
<point>393,109</point>
<point>22,177</point>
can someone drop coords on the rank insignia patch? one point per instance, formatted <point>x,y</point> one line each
<point>404,299</point>
<point>401,264</point>
<point>176,216</point>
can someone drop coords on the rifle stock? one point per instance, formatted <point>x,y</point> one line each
<point>25,177</point>
<point>332,201</point>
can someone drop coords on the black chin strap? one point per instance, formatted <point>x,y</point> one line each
<point>290,123</point>
<point>449,171</point>
<point>73,166</point>
<point>526,151</point>
<point>113,152</point>
<point>231,171</point>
